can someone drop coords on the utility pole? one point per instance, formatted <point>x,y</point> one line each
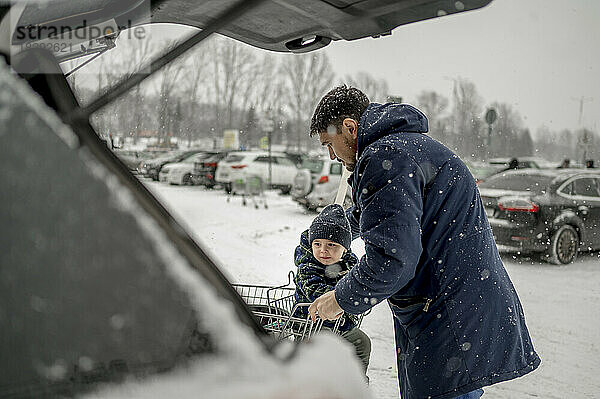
<point>581,100</point>
<point>585,137</point>
<point>268,126</point>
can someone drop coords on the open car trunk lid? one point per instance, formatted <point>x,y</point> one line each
<point>285,26</point>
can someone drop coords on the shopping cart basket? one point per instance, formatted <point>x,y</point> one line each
<point>275,307</point>
<point>249,186</point>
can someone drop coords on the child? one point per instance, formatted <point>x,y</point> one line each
<point>323,258</point>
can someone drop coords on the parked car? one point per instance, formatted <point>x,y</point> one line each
<point>482,171</point>
<point>523,163</point>
<point>316,183</point>
<point>132,158</point>
<point>552,212</point>
<point>181,172</point>
<point>241,163</point>
<point>152,167</point>
<point>149,167</point>
<point>296,158</point>
<point>205,170</point>
<point>102,289</point>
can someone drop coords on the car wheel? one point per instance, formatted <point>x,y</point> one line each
<point>564,246</point>
<point>186,180</point>
<point>285,190</point>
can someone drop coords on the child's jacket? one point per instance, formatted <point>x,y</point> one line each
<point>313,279</point>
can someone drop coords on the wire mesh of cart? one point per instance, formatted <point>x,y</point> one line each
<point>251,187</point>
<point>275,307</point>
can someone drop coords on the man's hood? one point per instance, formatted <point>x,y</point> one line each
<point>379,120</point>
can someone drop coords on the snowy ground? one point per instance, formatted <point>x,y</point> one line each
<point>562,304</point>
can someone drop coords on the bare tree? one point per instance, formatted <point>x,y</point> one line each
<point>466,119</point>
<point>269,85</point>
<point>307,78</point>
<point>376,89</point>
<point>434,105</point>
<point>197,71</point>
<point>168,81</point>
<point>507,131</point>
<point>234,69</point>
<point>269,98</point>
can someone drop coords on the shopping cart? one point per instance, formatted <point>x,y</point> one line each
<point>275,308</point>
<point>249,186</point>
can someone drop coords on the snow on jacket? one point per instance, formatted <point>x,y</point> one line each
<point>313,279</point>
<point>430,252</point>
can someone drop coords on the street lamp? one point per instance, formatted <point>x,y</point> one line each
<point>490,118</point>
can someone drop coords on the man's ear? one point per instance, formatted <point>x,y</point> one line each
<point>351,126</point>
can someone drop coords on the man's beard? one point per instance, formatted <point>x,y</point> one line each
<point>352,146</point>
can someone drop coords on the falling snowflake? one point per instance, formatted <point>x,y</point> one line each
<point>485,273</point>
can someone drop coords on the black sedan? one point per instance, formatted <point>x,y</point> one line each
<point>552,212</point>
<point>204,172</point>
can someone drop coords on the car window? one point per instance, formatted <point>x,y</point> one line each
<point>482,172</point>
<point>284,161</point>
<point>518,182</point>
<point>314,165</point>
<point>264,159</point>
<point>335,169</point>
<point>194,158</point>
<point>528,164</point>
<point>568,189</point>
<point>233,158</point>
<point>211,158</point>
<point>586,187</point>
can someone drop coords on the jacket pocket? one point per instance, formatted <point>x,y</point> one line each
<point>408,311</point>
<point>408,303</point>
<point>413,314</point>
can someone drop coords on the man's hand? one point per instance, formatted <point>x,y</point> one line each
<point>326,306</point>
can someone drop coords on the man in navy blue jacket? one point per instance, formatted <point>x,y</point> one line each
<point>458,322</point>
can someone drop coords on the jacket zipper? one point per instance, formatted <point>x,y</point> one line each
<point>426,308</point>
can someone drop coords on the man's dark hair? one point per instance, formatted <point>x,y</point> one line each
<point>340,103</point>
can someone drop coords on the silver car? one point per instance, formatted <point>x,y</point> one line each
<point>316,183</point>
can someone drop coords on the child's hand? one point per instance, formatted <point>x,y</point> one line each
<point>326,307</point>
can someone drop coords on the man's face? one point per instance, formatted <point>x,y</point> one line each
<point>342,146</point>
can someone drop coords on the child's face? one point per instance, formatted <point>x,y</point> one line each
<point>326,251</point>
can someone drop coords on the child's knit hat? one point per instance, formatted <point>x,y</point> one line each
<point>331,224</point>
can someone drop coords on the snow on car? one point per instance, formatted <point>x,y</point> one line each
<point>239,164</point>
<point>316,183</point>
<point>181,172</point>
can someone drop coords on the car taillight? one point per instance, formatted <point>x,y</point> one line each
<point>209,176</point>
<point>516,204</point>
<point>323,179</point>
<point>209,164</point>
<point>238,166</point>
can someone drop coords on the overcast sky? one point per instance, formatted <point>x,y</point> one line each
<point>540,56</point>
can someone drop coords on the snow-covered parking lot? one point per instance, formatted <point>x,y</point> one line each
<point>562,304</point>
